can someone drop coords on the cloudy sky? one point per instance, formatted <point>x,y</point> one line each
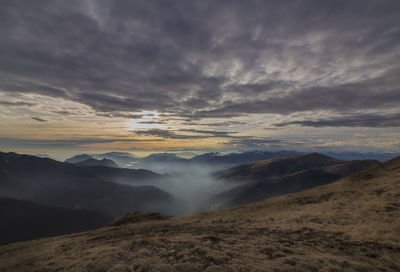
<point>197,76</point>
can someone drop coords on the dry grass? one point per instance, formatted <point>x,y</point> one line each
<point>350,225</point>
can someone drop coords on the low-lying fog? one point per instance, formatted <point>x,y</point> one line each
<point>194,184</point>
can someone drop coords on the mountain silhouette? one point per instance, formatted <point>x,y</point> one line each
<point>95,162</point>
<point>348,225</point>
<point>313,176</point>
<point>24,220</point>
<point>276,167</point>
<point>241,158</point>
<point>78,158</point>
<point>127,176</point>
<point>62,184</point>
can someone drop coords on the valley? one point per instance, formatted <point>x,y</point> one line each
<point>348,225</point>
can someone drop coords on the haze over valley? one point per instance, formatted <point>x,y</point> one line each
<point>182,186</point>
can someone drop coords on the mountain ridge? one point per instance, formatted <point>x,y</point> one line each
<point>54,183</point>
<point>349,225</point>
<point>258,190</point>
<point>96,162</point>
<point>276,167</point>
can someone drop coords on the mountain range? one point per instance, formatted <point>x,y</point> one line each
<point>348,225</point>
<point>166,162</point>
<point>120,158</point>
<point>61,184</point>
<point>100,185</point>
<point>277,177</point>
<point>95,162</point>
<point>163,162</point>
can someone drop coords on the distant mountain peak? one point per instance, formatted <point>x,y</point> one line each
<point>95,162</point>
<point>170,155</point>
<point>78,158</point>
<point>316,156</point>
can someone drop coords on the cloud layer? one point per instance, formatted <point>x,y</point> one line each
<point>196,61</point>
<point>204,58</point>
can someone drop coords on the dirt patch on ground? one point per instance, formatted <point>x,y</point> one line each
<point>136,217</point>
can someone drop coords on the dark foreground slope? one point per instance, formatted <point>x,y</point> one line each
<point>349,225</point>
<point>24,220</point>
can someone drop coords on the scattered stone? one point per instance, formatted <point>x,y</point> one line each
<point>207,243</point>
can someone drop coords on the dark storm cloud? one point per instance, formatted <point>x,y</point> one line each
<point>66,112</point>
<point>15,143</point>
<point>365,120</point>
<point>221,124</point>
<point>162,133</point>
<point>202,59</point>
<point>252,143</point>
<point>168,134</point>
<point>152,122</point>
<point>381,92</point>
<point>211,133</point>
<point>39,119</point>
<point>120,114</point>
<point>18,103</point>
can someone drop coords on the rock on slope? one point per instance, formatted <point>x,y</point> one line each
<point>350,225</point>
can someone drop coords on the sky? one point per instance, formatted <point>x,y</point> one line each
<point>199,76</point>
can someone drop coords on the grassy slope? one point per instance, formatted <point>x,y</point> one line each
<point>349,225</point>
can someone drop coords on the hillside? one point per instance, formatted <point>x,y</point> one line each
<point>127,176</point>
<point>60,184</point>
<point>232,159</point>
<point>307,178</point>
<point>264,169</point>
<point>24,220</point>
<point>350,225</point>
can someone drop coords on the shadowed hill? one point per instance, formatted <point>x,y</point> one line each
<point>276,167</point>
<point>162,162</point>
<point>241,158</point>
<point>291,183</point>
<point>350,225</point>
<point>24,220</point>
<point>61,184</point>
<point>125,175</point>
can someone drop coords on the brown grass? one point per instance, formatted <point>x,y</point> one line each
<point>350,225</point>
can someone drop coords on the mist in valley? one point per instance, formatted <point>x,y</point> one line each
<point>193,184</point>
